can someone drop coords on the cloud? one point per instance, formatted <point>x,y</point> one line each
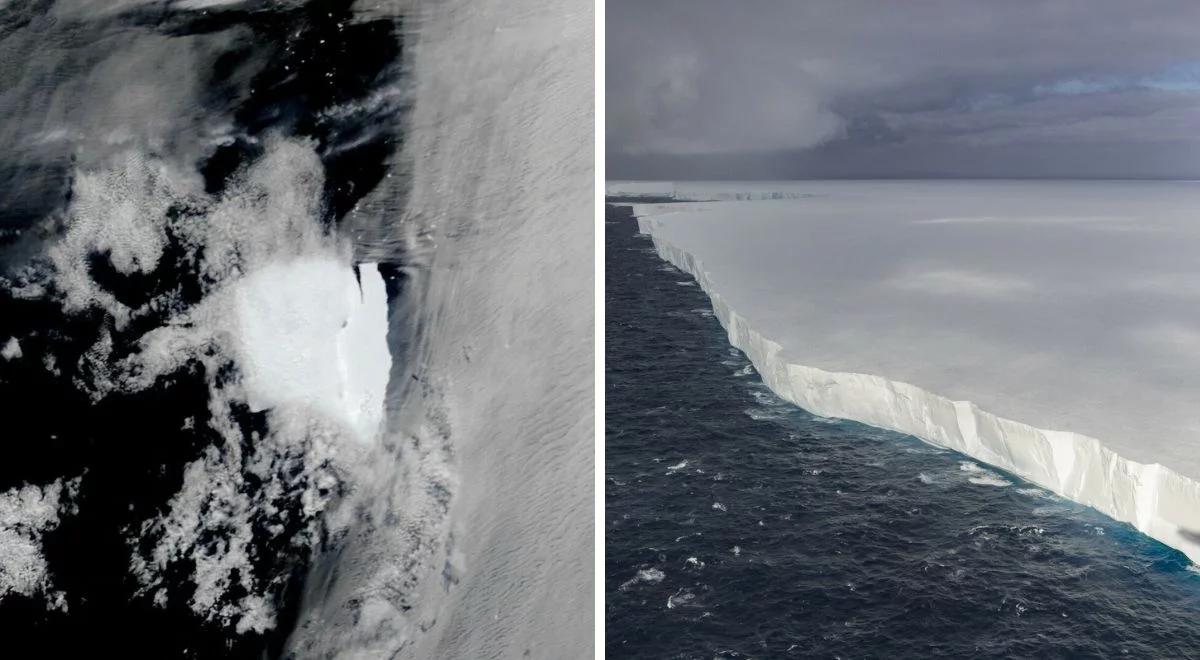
<point>26,514</point>
<point>687,104</point>
<point>1015,89</point>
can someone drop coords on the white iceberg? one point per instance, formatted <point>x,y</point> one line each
<point>1050,329</point>
<point>310,334</point>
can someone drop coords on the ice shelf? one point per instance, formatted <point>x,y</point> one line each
<point>1051,329</point>
<point>704,192</point>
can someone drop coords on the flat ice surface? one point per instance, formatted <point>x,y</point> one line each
<point>707,191</point>
<point>310,334</point>
<point>1067,306</point>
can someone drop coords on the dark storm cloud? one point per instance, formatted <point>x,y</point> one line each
<point>841,88</point>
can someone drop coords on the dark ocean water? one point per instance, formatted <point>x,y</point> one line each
<point>304,70</point>
<point>740,526</point>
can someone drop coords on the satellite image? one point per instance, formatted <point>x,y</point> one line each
<point>296,326</point>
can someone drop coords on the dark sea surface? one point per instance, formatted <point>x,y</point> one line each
<point>740,526</point>
<point>210,88</point>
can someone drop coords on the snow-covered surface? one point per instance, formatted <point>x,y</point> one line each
<point>1048,328</point>
<point>308,334</point>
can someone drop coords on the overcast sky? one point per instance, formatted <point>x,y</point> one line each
<point>844,88</point>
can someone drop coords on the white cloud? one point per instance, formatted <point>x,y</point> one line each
<point>11,350</point>
<point>26,513</point>
<point>243,497</point>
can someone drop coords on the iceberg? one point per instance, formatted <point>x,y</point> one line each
<point>1050,329</point>
<point>309,333</point>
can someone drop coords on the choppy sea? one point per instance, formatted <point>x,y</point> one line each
<point>740,526</point>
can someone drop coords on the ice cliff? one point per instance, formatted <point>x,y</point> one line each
<point>1087,454</point>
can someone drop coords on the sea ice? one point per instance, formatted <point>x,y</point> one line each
<point>1048,328</point>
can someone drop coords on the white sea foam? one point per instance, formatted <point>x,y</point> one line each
<point>1042,511</point>
<point>981,476</point>
<point>989,480</point>
<point>760,414</point>
<point>648,575</point>
<point>765,398</point>
<point>680,598</point>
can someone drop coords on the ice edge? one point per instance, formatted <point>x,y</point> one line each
<point>1154,499</point>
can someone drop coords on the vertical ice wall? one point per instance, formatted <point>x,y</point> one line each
<point>1156,500</point>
